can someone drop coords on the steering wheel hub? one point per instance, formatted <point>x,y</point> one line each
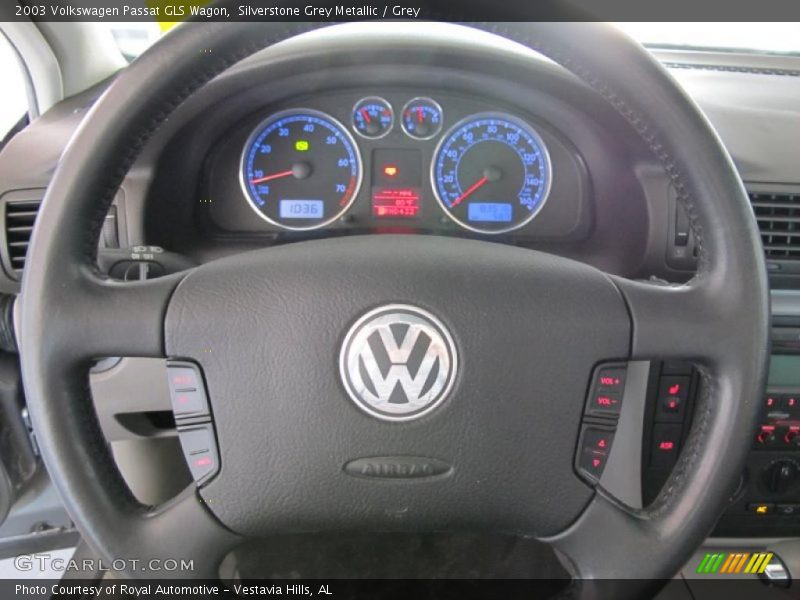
<point>398,362</point>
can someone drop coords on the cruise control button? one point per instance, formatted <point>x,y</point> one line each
<point>200,451</point>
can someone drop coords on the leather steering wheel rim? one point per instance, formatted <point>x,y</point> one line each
<point>719,320</point>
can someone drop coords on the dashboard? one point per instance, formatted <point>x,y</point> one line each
<point>399,160</point>
<point>438,135</point>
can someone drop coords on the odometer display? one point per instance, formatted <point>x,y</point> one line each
<point>491,173</point>
<point>301,169</point>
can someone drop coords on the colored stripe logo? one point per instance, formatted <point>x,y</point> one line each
<point>734,562</point>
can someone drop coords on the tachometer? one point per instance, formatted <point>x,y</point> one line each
<point>491,173</point>
<point>301,169</point>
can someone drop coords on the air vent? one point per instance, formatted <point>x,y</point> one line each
<point>778,217</point>
<point>20,215</point>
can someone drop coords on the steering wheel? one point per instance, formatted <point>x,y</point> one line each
<point>266,328</point>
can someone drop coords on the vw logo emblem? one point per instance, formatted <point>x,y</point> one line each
<point>398,362</point>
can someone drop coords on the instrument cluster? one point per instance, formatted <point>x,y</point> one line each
<point>396,161</point>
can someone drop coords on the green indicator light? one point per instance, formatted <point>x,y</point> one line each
<point>301,145</point>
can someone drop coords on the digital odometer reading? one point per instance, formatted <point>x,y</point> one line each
<point>301,169</point>
<point>491,173</point>
<point>302,209</point>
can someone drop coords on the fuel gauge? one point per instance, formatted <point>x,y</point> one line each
<point>422,118</point>
<point>373,117</point>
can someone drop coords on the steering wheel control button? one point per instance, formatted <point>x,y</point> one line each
<point>193,419</point>
<point>673,394</point>
<point>608,385</point>
<point>200,451</point>
<point>600,419</point>
<point>594,449</point>
<point>398,362</point>
<point>186,390</point>
<point>665,445</point>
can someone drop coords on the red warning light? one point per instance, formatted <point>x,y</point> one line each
<point>674,389</point>
<point>391,171</point>
<point>666,446</point>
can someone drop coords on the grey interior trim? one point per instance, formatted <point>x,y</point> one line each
<point>41,65</point>
<point>785,303</point>
<point>772,63</point>
<point>86,53</point>
<point>623,475</point>
<point>132,386</point>
<point>39,505</point>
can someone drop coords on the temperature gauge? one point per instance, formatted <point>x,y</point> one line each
<point>422,118</point>
<point>373,117</point>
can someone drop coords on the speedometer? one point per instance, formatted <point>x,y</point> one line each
<point>300,169</point>
<point>491,173</point>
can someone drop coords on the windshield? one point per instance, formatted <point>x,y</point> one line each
<point>755,38</point>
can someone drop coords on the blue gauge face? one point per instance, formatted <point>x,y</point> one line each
<point>373,117</point>
<point>300,169</point>
<point>491,173</point>
<point>422,118</point>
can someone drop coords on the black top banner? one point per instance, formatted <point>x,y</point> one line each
<point>167,11</point>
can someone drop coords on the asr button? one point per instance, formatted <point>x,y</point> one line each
<point>200,451</point>
<point>666,443</point>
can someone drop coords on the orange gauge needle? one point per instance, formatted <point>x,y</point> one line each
<point>273,176</point>
<point>469,191</point>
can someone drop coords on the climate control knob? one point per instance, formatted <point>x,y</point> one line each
<point>792,437</point>
<point>780,476</point>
